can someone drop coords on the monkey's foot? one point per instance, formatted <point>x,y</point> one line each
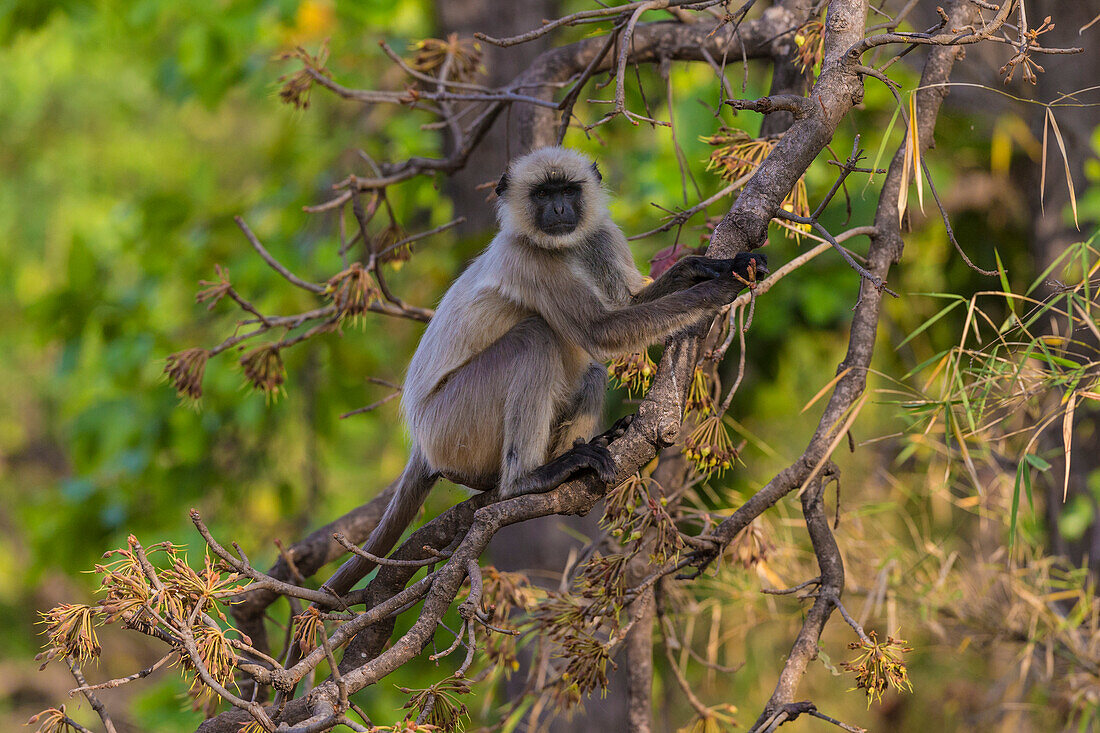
<point>614,432</point>
<point>593,456</point>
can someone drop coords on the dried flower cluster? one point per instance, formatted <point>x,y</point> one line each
<point>307,626</point>
<point>185,370</point>
<point>172,600</point>
<point>385,245</point>
<point>636,510</point>
<point>1023,58</point>
<point>578,625</point>
<point>214,290</point>
<point>264,370</point>
<point>750,546</point>
<point>737,155</point>
<point>297,86</point>
<point>52,720</point>
<point>709,446</point>
<point>879,666</point>
<point>71,630</point>
<point>502,593</point>
<point>464,53</point>
<point>353,291</point>
<point>700,398</point>
<point>445,711</point>
<point>809,41</point>
<point>633,371</point>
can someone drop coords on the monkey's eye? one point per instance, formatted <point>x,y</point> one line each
<point>541,193</point>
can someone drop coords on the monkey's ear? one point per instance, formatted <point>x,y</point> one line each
<point>596,170</point>
<point>502,185</point>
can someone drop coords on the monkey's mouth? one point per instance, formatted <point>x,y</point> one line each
<point>559,228</point>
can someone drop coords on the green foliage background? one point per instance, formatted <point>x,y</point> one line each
<point>133,132</point>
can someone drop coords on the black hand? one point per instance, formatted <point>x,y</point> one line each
<point>745,261</point>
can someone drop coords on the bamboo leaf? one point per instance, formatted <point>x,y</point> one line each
<point>1021,477</point>
<point>914,133</point>
<point>825,389</point>
<point>1067,440</point>
<point>922,327</point>
<point>882,146</point>
<point>1065,162</point>
<point>1043,166</point>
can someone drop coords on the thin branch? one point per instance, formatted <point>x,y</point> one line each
<point>275,264</point>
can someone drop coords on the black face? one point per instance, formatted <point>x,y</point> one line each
<point>557,206</point>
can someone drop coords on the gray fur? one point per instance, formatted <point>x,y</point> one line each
<point>506,376</point>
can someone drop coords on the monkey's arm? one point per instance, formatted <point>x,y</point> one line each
<point>696,269</point>
<point>659,310</point>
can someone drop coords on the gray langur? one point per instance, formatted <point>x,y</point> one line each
<point>506,387</point>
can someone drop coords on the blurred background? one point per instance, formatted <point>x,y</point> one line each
<point>132,132</point>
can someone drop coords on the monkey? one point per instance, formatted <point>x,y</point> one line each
<point>506,387</point>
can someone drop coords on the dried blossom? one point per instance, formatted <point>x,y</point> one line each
<point>637,508</point>
<point>710,447</point>
<point>1023,58</point>
<point>445,711</point>
<point>307,627</point>
<point>465,55</point>
<point>52,720</point>
<point>353,291</point>
<point>504,591</point>
<point>736,155</point>
<point>297,86</point>
<point>602,578</point>
<point>809,42</point>
<point>215,290</point>
<point>185,370</point>
<point>633,371</point>
<point>750,546</point>
<point>700,398</point>
<point>215,654</point>
<point>71,631</point>
<point>586,668</point>
<point>200,587</point>
<point>879,666</point>
<point>264,370</point>
<point>385,245</point>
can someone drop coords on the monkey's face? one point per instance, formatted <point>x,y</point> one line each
<point>556,206</point>
<point>551,198</point>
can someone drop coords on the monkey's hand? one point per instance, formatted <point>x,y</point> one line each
<point>749,267</point>
<point>745,265</point>
<point>743,271</point>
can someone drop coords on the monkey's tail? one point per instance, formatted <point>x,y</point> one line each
<point>416,481</point>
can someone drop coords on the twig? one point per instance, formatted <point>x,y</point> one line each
<point>347,545</point>
<point>275,264</point>
<point>86,690</point>
<point>119,682</point>
<point>947,224</point>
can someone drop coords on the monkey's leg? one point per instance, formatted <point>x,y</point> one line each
<point>582,413</point>
<point>583,410</point>
<point>532,401</point>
